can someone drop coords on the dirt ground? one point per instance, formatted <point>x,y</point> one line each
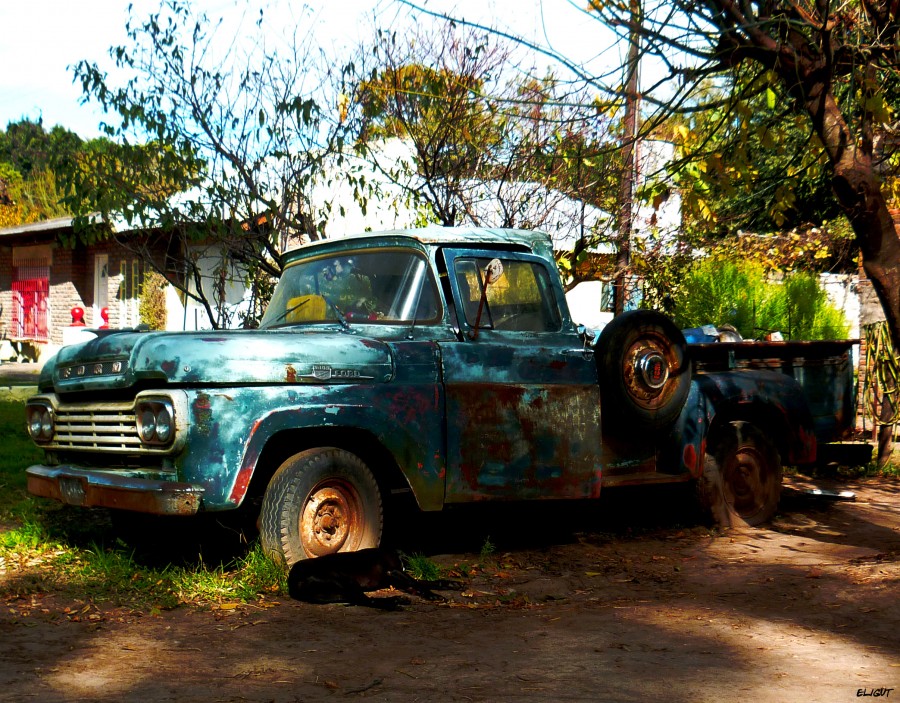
<point>621,601</point>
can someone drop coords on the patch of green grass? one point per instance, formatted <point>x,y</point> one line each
<point>870,470</point>
<point>421,567</point>
<point>28,536</point>
<point>487,550</point>
<point>16,454</point>
<point>112,574</point>
<point>79,553</point>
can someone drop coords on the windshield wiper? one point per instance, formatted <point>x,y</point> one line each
<point>340,315</point>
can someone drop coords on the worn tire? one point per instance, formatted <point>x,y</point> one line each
<point>741,481</point>
<point>320,501</point>
<point>645,373</point>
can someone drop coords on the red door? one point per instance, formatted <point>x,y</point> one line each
<point>31,296</point>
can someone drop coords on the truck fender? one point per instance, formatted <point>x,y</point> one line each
<point>418,456</point>
<point>769,400</point>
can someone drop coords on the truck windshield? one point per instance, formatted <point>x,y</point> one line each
<point>380,287</point>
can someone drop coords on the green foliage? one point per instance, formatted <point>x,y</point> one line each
<point>76,552</point>
<point>717,291</point>
<point>31,163</point>
<point>125,178</point>
<point>882,376</point>
<point>219,143</point>
<point>29,148</point>
<point>485,150</point>
<point>748,163</point>
<point>423,568</point>
<point>152,305</point>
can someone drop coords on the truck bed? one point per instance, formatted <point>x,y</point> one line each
<point>824,369</point>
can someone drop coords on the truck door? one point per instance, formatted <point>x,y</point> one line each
<point>523,404</point>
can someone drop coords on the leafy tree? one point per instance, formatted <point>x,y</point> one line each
<point>29,164</point>
<point>234,127</point>
<point>831,67</point>
<point>485,149</point>
<point>29,148</point>
<point>747,164</point>
<point>833,64</point>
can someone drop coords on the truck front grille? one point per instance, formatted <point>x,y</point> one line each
<point>110,427</point>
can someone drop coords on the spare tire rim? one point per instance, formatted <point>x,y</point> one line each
<point>651,367</point>
<point>646,372</point>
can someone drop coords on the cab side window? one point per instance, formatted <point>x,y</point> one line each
<point>520,300</point>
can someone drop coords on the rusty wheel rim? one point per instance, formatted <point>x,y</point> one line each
<point>744,480</point>
<point>646,368</point>
<point>329,518</point>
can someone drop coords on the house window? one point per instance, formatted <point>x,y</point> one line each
<point>131,281</point>
<point>101,287</point>
<point>31,300</point>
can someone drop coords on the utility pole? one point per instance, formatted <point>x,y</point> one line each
<point>629,160</point>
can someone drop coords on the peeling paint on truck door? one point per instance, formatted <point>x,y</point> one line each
<point>513,382</point>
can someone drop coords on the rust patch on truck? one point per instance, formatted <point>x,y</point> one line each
<point>202,411</point>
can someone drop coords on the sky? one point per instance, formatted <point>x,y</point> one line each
<point>41,39</point>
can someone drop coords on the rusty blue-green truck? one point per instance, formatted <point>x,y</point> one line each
<point>441,363</point>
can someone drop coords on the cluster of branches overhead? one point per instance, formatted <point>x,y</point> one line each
<point>487,145</point>
<point>834,65</point>
<point>828,69</point>
<point>228,146</point>
<point>216,139</point>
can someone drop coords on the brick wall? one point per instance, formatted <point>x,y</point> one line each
<point>67,283</point>
<point>5,288</point>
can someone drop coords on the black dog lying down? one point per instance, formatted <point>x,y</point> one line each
<point>344,577</point>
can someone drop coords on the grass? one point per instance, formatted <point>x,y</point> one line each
<point>421,567</point>
<point>16,452</point>
<point>870,470</point>
<point>80,553</point>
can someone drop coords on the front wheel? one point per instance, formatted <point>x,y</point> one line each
<point>741,481</point>
<point>320,501</point>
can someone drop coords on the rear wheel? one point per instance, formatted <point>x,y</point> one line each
<point>320,501</point>
<point>741,481</point>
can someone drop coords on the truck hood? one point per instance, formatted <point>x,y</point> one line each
<point>291,355</point>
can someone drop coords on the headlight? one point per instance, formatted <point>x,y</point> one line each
<point>147,424</point>
<point>164,424</point>
<point>39,418</point>
<point>155,421</point>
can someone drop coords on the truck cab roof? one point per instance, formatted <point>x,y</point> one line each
<point>433,236</point>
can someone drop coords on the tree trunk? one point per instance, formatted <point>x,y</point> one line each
<point>629,149</point>
<point>858,190</point>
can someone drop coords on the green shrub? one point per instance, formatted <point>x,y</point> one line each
<point>152,306</point>
<point>741,294</point>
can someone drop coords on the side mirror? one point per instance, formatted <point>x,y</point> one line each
<point>492,272</point>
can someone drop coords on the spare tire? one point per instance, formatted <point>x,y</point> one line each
<point>644,370</point>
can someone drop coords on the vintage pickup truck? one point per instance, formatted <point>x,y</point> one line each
<point>437,362</point>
